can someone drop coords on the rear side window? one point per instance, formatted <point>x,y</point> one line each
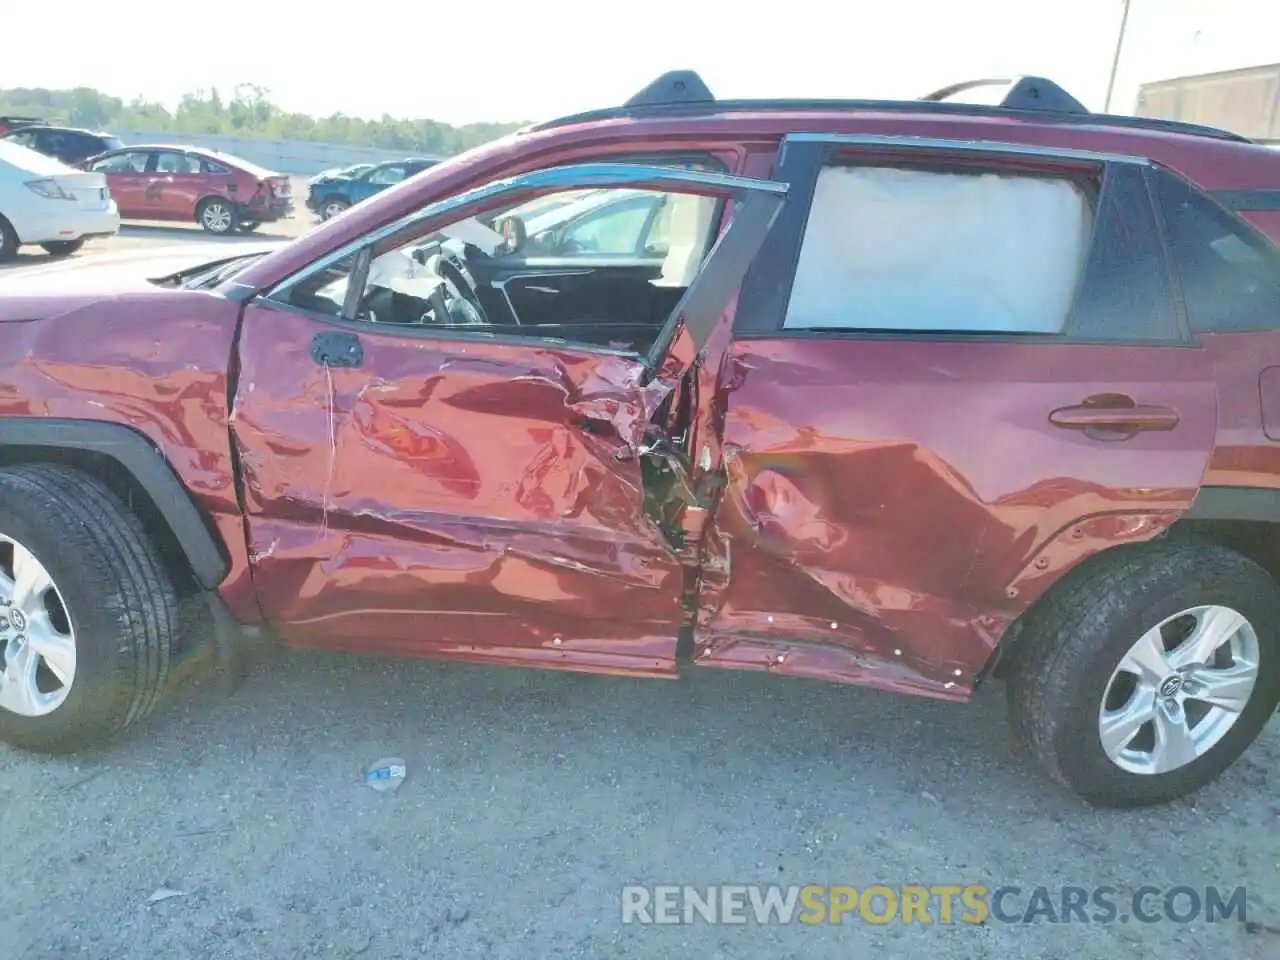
<point>906,249</point>
<point>177,163</point>
<point>121,163</point>
<point>386,176</point>
<point>1230,275</point>
<point>51,142</point>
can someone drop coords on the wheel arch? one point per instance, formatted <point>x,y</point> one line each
<point>130,463</point>
<point>1240,518</point>
<point>205,198</point>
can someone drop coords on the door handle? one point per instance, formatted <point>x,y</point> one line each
<point>1114,417</point>
<point>334,348</point>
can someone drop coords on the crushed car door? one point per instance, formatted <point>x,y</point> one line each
<point>472,494</point>
<point>964,370</point>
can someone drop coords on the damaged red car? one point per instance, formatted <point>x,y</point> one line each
<point>903,394</point>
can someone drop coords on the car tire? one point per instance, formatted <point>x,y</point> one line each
<point>119,611</point>
<point>249,226</point>
<point>9,242</point>
<point>217,216</point>
<point>333,206</point>
<point>62,248</point>
<point>1078,646</point>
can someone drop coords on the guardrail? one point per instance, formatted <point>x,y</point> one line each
<point>299,157</point>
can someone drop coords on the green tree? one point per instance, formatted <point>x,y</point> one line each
<point>247,112</point>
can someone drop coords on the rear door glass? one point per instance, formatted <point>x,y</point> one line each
<point>1229,274</point>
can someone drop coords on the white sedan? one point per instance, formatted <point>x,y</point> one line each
<point>45,202</point>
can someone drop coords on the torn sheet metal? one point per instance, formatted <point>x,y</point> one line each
<point>906,501</point>
<point>454,495</point>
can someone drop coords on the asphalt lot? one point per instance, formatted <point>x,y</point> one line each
<point>140,234</point>
<point>533,797</point>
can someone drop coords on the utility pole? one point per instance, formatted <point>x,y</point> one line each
<point>1115,60</point>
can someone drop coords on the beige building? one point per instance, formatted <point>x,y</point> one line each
<point>1244,101</point>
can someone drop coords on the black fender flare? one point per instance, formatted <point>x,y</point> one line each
<point>1215,502</point>
<point>136,454</point>
<point>1259,504</point>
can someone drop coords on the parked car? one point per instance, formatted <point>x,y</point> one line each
<point>48,204</point>
<point>10,123</point>
<point>328,196</point>
<point>921,394</point>
<point>347,171</point>
<point>221,192</point>
<point>68,144</point>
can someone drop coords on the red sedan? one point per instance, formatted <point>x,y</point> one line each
<point>222,193</point>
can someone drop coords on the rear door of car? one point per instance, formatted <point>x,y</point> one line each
<point>960,369</point>
<point>176,182</point>
<point>470,493</point>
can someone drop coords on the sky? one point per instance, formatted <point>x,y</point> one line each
<point>507,60</point>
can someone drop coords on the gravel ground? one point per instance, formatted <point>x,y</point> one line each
<point>532,797</point>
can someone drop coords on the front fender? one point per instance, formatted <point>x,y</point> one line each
<point>133,452</point>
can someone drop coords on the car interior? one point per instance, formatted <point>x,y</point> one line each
<point>601,267</point>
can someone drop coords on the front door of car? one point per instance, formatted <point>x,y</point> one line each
<point>127,180</point>
<point>597,259</point>
<point>466,493</point>
<point>963,371</point>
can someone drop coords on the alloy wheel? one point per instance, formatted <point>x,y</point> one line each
<point>1178,690</point>
<point>217,218</point>
<point>37,641</point>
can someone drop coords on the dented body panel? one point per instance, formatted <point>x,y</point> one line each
<point>112,362</point>
<point>849,509</point>
<point>457,498</point>
<point>891,507</point>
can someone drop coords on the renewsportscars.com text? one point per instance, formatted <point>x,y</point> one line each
<point>939,903</point>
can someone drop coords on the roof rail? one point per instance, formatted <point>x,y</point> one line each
<point>674,86</point>
<point>683,93</point>
<point>1024,93</point>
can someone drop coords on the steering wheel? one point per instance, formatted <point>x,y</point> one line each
<point>462,289</point>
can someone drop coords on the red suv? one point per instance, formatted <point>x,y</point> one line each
<point>903,394</point>
<point>222,193</point>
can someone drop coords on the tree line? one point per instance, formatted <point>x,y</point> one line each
<point>246,112</point>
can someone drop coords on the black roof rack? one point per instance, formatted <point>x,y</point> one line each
<point>1024,93</point>
<point>683,93</point>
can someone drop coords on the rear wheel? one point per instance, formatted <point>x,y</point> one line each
<point>8,241</point>
<point>1149,673</point>
<point>332,207</point>
<point>87,612</point>
<point>217,216</point>
<point>62,248</point>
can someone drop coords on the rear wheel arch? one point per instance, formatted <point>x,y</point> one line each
<point>232,206</point>
<point>1243,519</point>
<point>130,464</point>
